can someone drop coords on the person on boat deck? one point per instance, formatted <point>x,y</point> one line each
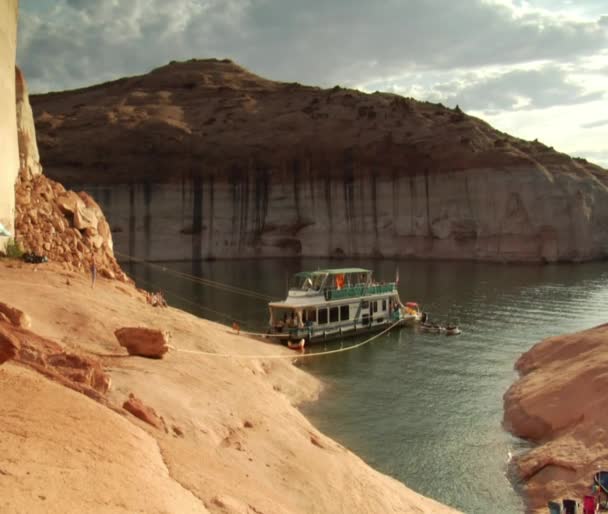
<point>339,281</point>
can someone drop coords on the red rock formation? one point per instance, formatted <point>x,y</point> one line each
<point>145,342</point>
<point>15,316</point>
<point>560,402</point>
<point>204,159</point>
<point>63,225</point>
<point>142,411</point>
<point>76,371</point>
<point>9,345</point>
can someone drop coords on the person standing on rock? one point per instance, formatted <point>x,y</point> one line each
<point>93,271</point>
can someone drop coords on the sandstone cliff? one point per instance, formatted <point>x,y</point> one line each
<point>204,159</point>
<point>9,151</point>
<point>560,402</point>
<point>65,226</point>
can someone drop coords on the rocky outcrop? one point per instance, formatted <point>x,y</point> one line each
<point>65,226</point>
<point>9,345</point>
<point>203,159</point>
<point>560,402</point>
<point>15,316</point>
<point>144,412</point>
<point>76,371</point>
<point>9,150</point>
<point>145,342</point>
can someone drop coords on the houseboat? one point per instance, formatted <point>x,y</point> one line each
<point>334,303</point>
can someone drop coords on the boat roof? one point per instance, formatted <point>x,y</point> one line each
<point>333,271</point>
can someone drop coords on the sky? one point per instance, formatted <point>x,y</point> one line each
<point>536,69</point>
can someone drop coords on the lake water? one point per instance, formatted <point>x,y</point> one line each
<point>423,408</point>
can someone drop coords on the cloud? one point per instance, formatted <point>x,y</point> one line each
<point>520,89</point>
<point>322,42</point>
<point>594,124</point>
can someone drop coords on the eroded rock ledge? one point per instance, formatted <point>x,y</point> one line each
<point>561,403</point>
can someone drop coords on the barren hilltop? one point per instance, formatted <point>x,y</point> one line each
<point>250,167</point>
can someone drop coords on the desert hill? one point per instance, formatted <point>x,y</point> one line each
<point>223,163</point>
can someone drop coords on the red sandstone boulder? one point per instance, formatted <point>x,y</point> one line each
<point>16,317</point>
<point>9,345</point>
<point>140,410</point>
<point>146,342</point>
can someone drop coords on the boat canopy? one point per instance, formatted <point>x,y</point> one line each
<point>336,278</point>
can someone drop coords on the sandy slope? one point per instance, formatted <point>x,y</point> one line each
<point>244,448</point>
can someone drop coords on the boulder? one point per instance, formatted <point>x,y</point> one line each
<point>17,317</point>
<point>140,410</point>
<point>9,345</point>
<point>84,218</point>
<point>145,342</point>
<point>69,202</point>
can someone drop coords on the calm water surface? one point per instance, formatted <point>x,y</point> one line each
<point>423,408</point>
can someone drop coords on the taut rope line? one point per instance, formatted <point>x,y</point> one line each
<point>252,294</point>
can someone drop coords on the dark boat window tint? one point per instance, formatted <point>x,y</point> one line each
<point>322,316</point>
<point>364,305</point>
<point>344,313</point>
<point>333,314</point>
<point>375,306</point>
<point>365,319</point>
<point>311,315</point>
<point>384,305</point>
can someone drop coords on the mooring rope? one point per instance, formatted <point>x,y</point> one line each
<point>291,356</point>
<point>253,294</point>
<point>203,281</point>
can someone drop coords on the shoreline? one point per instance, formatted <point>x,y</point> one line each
<point>255,450</point>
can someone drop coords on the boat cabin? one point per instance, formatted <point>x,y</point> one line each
<point>333,302</point>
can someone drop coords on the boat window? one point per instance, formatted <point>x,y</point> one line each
<point>365,319</point>
<point>383,305</point>
<point>333,314</point>
<point>311,315</point>
<point>322,316</point>
<point>364,305</point>
<point>344,312</point>
<point>375,306</point>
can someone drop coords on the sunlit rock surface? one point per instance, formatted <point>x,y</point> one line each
<point>9,150</point>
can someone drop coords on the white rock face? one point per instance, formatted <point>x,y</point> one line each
<point>9,150</point>
<point>519,214</point>
<point>29,158</point>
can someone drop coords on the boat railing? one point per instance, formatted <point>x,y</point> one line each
<point>333,293</point>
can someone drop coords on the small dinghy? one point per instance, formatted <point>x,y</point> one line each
<point>431,328</point>
<point>452,330</point>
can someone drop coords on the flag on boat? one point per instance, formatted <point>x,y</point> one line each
<point>397,276</point>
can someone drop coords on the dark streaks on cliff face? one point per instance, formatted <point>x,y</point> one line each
<point>197,216</point>
<point>132,218</point>
<point>412,202</point>
<point>210,235</point>
<point>395,197</point>
<point>296,171</point>
<point>327,192</point>
<point>261,189</point>
<point>147,217</point>
<point>349,201</point>
<point>428,207</point>
<point>235,188</point>
<point>374,193</point>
